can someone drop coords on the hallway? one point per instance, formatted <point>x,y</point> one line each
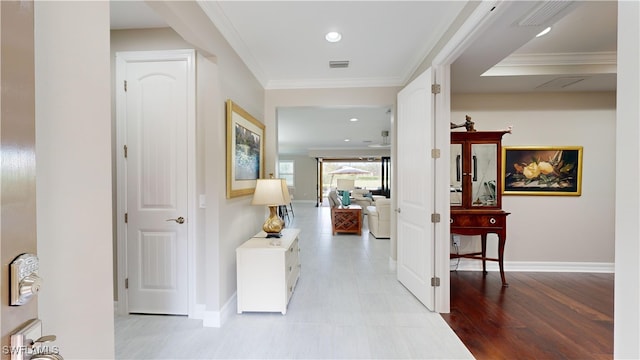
<point>347,304</point>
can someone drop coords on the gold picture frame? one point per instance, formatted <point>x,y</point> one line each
<point>542,170</point>
<point>245,151</point>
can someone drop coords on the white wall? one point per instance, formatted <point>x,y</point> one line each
<point>627,282</point>
<point>228,222</point>
<point>73,155</point>
<point>556,231</point>
<point>305,177</point>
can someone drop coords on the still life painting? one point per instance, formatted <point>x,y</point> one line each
<point>542,170</point>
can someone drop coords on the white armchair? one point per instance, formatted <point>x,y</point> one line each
<point>379,217</point>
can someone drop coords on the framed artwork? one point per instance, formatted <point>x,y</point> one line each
<point>245,151</point>
<point>542,170</point>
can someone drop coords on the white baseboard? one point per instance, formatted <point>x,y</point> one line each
<point>230,308</point>
<point>219,318</point>
<point>209,318</point>
<point>535,266</point>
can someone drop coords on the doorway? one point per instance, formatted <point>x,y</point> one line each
<point>156,134</point>
<point>371,174</point>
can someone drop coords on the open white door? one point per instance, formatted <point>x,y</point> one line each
<point>415,190</point>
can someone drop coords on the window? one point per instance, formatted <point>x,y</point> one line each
<point>285,170</point>
<point>365,173</point>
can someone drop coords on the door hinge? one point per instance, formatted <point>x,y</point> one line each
<point>435,218</point>
<point>435,153</point>
<point>435,89</point>
<point>125,86</point>
<point>126,218</point>
<point>126,151</point>
<point>126,283</point>
<point>435,281</point>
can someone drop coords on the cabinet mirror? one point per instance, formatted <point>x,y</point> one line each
<point>479,174</point>
<point>456,175</point>
<point>483,174</point>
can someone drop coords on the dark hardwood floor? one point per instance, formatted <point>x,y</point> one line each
<point>539,316</point>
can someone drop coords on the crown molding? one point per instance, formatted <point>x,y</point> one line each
<point>220,20</point>
<point>580,58</point>
<point>556,64</point>
<point>334,83</point>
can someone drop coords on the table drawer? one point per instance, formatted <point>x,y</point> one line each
<point>291,255</point>
<point>487,221</point>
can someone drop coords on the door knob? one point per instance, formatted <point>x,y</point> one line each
<point>179,220</point>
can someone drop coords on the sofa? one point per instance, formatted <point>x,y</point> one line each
<point>334,200</point>
<point>379,217</point>
<point>364,198</point>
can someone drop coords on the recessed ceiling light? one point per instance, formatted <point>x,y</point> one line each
<point>544,32</point>
<point>347,140</point>
<point>333,36</point>
<point>353,119</point>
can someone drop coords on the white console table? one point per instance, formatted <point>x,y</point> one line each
<point>267,274</point>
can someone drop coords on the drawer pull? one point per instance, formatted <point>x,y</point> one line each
<point>290,268</point>
<point>492,221</point>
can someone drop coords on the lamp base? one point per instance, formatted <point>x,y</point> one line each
<point>273,225</point>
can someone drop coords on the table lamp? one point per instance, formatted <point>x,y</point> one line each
<point>272,193</point>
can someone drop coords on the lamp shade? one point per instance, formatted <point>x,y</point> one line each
<point>345,184</point>
<point>270,192</point>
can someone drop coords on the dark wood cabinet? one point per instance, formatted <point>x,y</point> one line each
<point>476,200</point>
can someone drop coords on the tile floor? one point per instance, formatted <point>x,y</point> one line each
<point>347,305</point>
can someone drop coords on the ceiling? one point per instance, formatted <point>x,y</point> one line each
<point>282,43</point>
<point>304,129</point>
<point>581,46</point>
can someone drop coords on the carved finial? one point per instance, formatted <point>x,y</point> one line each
<point>468,124</point>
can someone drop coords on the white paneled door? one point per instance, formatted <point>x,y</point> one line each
<point>415,189</point>
<point>156,185</point>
